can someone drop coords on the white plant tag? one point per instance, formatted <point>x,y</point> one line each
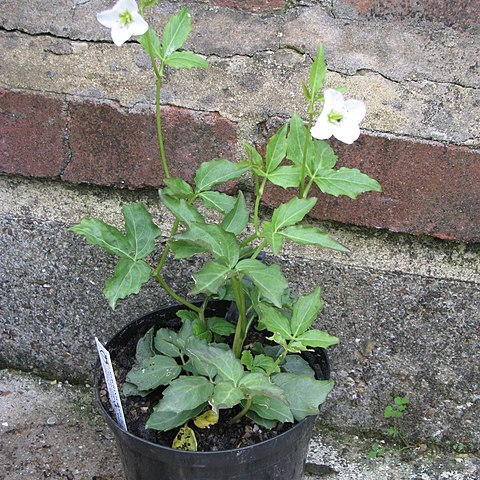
<point>112,388</point>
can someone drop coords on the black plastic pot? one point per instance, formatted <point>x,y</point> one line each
<point>280,458</point>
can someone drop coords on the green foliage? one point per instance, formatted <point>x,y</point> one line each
<point>176,32</point>
<point>186,59</point>
<point>318,70</point>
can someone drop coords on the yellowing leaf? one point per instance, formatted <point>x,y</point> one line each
<point>185,440</point>
<point>206,420</point>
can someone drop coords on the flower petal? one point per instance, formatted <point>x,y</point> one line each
<point>108,18</point>
<point>139,26</point>
<point>333,100</point>
<point>322,129</point>
<point>120,35</point>
<point>355,110</point>
<point>130,5</point>
<point>347,132</point>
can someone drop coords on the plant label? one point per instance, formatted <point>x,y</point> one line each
<point>112,388</point>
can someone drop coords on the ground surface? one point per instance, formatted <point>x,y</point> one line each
<point>52,430</point>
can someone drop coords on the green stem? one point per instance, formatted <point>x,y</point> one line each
<point>244,410</point>
<point>256,253</point>
<point>241,330</point>
<point>165,253</point>
<point>305,147</point>
<point>175,296</point>
<point>159,125</point>
<point>249,239</point>
<point>309,186</point>
<point>257,203</point>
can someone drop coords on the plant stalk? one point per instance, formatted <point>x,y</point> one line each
<point>305,147</point>
<point>244,410</point>
<point>174,295</point>
<point>241,329</point>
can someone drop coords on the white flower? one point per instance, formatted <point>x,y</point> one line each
<point>124,20</point>
<point>339,118</point>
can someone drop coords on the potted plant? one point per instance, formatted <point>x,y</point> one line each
<point>229,382</point>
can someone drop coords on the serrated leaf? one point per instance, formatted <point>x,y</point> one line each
<point>296,141</point>
<point>176,32</point>
<point>236,220</point>
<point>345,181</point>
<point>216,172</point>
<point>165,420</point>
<point>99,233</point>
<point>153,372</point>
<point>291,212</point>
<point>144,347</point>
<point>257,383</point>
<point>210,278</point>
<point>269,280</point>
<point>149,40</point>
<point>140,230</point>
<point>274,239</point>
<point>185,440</point>
<point>226,395</point>
<point>304,393</point>
<point>220,326</point>
<point>223,245</point>
<point>186,249</point>
<point>186,393</point>
<point>323,158</point>
<point>186,59</point>
<point>318,70</point>
<point>274,321</point>
<point>297,365</point>
<point>254,158</point>
<point>305,312</point>
<point>206,420</point>
<point>183,211</point>
<point>221,202</point>
<point>317,338</point>
<point>178,188</point>
<point>271,409</point>
<point>276,149</point>
<point>311,236</point>
<point>166,342</point>
<point>286,176</point>
<point>127,279</point>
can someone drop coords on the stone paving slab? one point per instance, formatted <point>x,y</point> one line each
<point>50,429</point>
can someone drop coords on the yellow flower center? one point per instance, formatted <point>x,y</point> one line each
<point>126,18</point>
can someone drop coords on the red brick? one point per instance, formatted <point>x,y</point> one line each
<point>251,5</point>
<point>460,14</point>
<point>113,147</point>
<point>428,188</point>
<point>31,134</point>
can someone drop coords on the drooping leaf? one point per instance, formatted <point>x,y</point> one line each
<point>318,70</point>
<point>291,212</point>
<point>99,233</point>
<point>304,393</point>
<point>310,236</point>
<point>206,420</point>
<point>186,249</point>
<point>183,211</point>
<point>262,422</point>
<point>345,181</point>
<point>186,59</point>
<point>271,409</point>
<point>127,279</point>
<point>220,326</point>
<point>144,347</point>
<point>186,393</point>
<point>305,312</point>
<point>165,420</point>
<point>153,372</point>
<point>269,280</point>
<point>256,383</point>
<point>286,176</point>
<point>297,365</point>
<point>218,201</point>
<point>176,32</point>
<point>210,277</point>
<point>276,149</point>
<point>317,338</point>
<point>185,440</point>
<point>140,230</point>
<point>226,395</point>
<point>236,219</point>
<point>166,342</point>
<point>216,172</point>
<point>178,188</point>
<point>149,40</point>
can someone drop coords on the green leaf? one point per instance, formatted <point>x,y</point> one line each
<point>185,440</point>
<point>317,338</point>
<point>140,230</point>
<point>176,32</point>
<point>218,201</point>
<point>318,70</point>
<point>166,342</point>
<point>291,212</point>
<point>269,280</point>
<point>210,277</point>
<point>216,172</point>
<point>306,92</point>
<point>345,181</point>
<point>311,236</point>
<point>297,365</point>
<point>131,390</point>
<point>304,393</point>
<point>296,141</point>
<point>99,233</point>
<point>254,158</point>
<point>144,349</point>
<point>220,326</point>
<point>178,188</point>
<point>128,277</point>
<point>323,158</point>
<point>305,312</point>
<point>259,384</point>
<point>262,422</point>
<point>165,420</point>
<point>153,372</point>
<point>286,176</point>
<point>274,239</point>
<point>154,43</point>
<point>183,211</point>
<point>186,249</point>
<point>222,244</point>
<point>148,3</point>
<point>186,393</point>
<point>236,219</point>
<point>276,149</point>
<point>274,321</point>
<point>271,409</point>
<point>247,359</point>
<point>226,395</point>
<point>186,59</point>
